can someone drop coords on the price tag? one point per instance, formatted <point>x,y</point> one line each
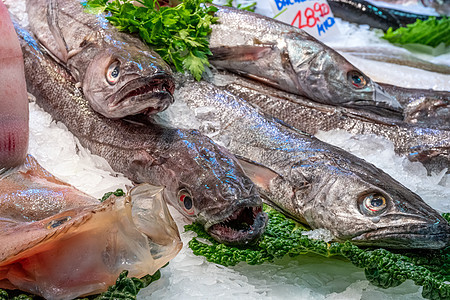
<point>313,16</point>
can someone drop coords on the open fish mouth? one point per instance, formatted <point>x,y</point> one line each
<point>420,236</point>
<point>244,226</point>
<point>148,95</point>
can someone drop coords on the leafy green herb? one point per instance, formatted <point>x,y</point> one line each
<point>179,34</point>
<point>118,193</point>
<point>283,236</point>
<point>430,32</point>
<point>251,7</point>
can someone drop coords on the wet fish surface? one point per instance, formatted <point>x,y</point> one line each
<point>394,56</point>
<point>419,143</point>
<point>44,223</point>
<point>288,58</point>
<point>119,74</point>
<point>363,12</point>
<point>202,180</point>
<point>424,107</point>
<point>316,183</point>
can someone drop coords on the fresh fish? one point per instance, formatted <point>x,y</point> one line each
<point>419,143</point>
<point>119,74</point>
<point>44,223</point>
<point>13,96</point>
<point>363,12</point>
<point>397,56</point>
<point>424,107</point>
<point>290,59</point>
<point>441,6</point>
<point>202,180</point>
<point>316,183</point>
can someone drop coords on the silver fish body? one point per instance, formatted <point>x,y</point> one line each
<point>202,180</point>
<point>44,223</point>
<point>119,74</point>
<point>430,146</point>
<point>290,59</point>
<point>316,183</point>
<point>424,107</point>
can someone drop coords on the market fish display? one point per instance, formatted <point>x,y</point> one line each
<point>288,58</point>
<point>424,107</point>
<point>314,182</point>
<point>419,143</point>
<point>13,96</point>
<point>119,74</point>
<point>60,243</point>
<point>392,55</point>
<point>202,180</point>
<point>441,6</point>
<point>364,12</point>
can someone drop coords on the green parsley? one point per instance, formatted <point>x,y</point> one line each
<point>179,34</point>
<point>431,32</point>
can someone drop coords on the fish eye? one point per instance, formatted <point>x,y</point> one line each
<point>356,79</point>
<point>186,201</point>
<point>373,203</point>
<point>113,73</point>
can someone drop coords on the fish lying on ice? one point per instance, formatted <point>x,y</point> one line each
<point>202,180</point>
<point>418,142</point>
<point>316,183</point>
<point>119,74</point>
<point>441,6</point>
<point>392,55</point>
<point>13,96</point>
<point>364,12</point>
<point>44,223</point>
<point>424,107</point>
<point>290,59</point>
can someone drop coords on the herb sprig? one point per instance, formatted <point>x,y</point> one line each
<point>179,34</point>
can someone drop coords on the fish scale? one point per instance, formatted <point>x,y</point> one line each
<point>419,143</point>
<point>185,162</point>
<point>314,182</point>
<point>107,63</point>
<point>289,59</point>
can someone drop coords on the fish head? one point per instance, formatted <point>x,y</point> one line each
<point>124,80</point>
<point>329,78</point>
<point>215,192</point>
<point>372,209</point>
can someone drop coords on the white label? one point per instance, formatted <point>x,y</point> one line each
<point>313,16</point>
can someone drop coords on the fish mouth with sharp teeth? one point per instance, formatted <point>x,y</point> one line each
<point>149,96</point>
<point>244,226</point>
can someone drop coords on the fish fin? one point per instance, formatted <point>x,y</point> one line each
<point>259,174</point>
<point>52,20</point>
<point>240,53</point>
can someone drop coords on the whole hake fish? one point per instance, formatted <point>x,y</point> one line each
<point>202,180</point>
<point>45,223</point>
<point>418,142</point>
<point>290,59</point>
<point>316,183</point>
<point>119,74</point>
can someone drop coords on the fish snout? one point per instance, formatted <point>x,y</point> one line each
<point>408,236</point>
